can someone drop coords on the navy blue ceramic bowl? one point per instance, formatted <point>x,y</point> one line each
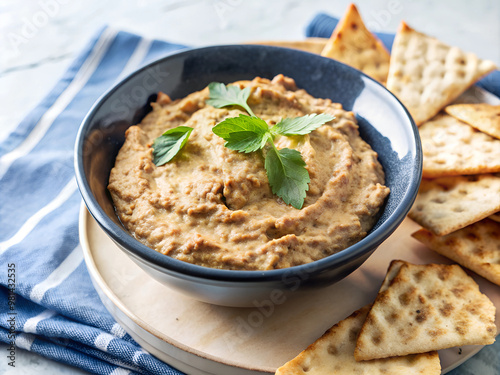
<point>383,121</point>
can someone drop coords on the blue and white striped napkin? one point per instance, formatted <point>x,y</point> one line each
<point>47,302</point>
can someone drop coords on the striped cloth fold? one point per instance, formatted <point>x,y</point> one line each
<point>47,301</point>
<point>487,361</point>
<point>55,310</point>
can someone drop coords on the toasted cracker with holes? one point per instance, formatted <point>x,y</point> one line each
<point>426,74</point>
<point>453,148</point>
<point>483,117</point>
<point>313,45</point>
<point>421,308</point>
<point>353,44</point>
<point>474,247</point>
<point>333,353</point>
<point>446,204</point>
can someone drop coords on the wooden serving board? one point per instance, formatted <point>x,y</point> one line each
<point>203,339</point>
<point>199,338</point>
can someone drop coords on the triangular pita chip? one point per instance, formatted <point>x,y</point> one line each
<point>421,308</point>
<point>353,44</point>
<point>426,74</point>
<point>475,247</point>
<point>446,204</point>
<point>484,117</point>
<point>333,353</point>
<point>453,148</point>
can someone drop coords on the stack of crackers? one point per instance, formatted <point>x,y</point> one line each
<point>424,308</point>
<point>459,197</point>
<point>419,309</point>
<point>461,142</point>
<point>459,200</point>
<point>460,188</point>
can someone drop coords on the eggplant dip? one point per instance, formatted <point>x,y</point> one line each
<point>227,200</point>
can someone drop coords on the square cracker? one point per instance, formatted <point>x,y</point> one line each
<point>453,148</point>
<point>353,44</point>
<point>333,354</point>
<point>482,116</point>
<point>475,247</point>
<point>426,74</point>
<point>446,204</point>
<point>421,308</point>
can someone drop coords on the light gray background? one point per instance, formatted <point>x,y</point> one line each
<point>40,38</point>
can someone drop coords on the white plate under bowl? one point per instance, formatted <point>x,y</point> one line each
<point>202,339</point>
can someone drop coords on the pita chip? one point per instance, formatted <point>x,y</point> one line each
<point>353,44</point>
<point>421,308</point>
<point>426,74</point>
<point>333,354</point>
<point>483,117</point>
<point>475,247</point>
<point>453,148</point>
<point>446,204</point>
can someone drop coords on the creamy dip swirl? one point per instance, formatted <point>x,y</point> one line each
<point>213,206</point>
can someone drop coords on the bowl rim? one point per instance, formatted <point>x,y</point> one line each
<point>169,265</point>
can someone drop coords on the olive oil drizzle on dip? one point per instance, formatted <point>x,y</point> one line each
<point>214,206</point>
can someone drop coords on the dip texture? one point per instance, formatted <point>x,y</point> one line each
<point>213,206</point>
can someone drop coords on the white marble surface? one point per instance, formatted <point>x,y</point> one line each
<point>28,363</point>
<point>40,38</point>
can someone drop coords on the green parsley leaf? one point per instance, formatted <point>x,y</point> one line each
<point>301,125</point>
<point>243,133</point>
<point>246,141</point>
<point>166,146</point>
<point>287,175</point>
<point>223,96</point>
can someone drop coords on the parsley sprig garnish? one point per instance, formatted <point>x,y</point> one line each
<point>285,168</point>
